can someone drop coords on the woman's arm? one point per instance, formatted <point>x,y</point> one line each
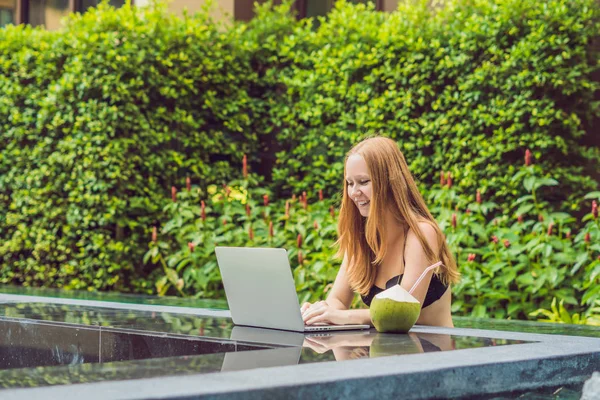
<point>335,309</point>
<point>416,261</point>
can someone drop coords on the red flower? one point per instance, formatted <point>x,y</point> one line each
<point>188,183</point>
<point>266,200</point>
<point>520,219</point>
<point>568,235</point>
<point>287,208</point>
<point>332,212</point>
<point>320,194</point>
<point>316,225</point>
<point>299,240</point>
<point>191,246</point>
<point>468,212</point>
<point>251,233</point>
<point>154,234</point>
<point>224,222</point>
<point>541,218</point>
<point>595,209</point>
<point>203,210</point>
<point>471,257</point>
<point>454,220</point>
<point>587,238</point>
<point>442,179</point>
<point>495,239</point>
<point>271,232</point>
<point>449,180</point>
<point>304,200</point>
<point>506,243</point>
<point>300,257</point>
<point>527,158</point>
<point>247,209</point>
<point>550,227</point>
<point>245,166</point>
<point>174,194</point>
<point>478,197</point>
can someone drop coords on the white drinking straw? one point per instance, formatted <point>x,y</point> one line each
<point>437,264</point>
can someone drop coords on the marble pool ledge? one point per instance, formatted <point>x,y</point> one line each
<point>546,360</point>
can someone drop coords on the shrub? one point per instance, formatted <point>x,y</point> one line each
<point>100,119</point>
<point>463,88</point>
<point>242,214</point>
<point>513,265</point>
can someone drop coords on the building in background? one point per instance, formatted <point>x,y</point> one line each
<point>50,12</point>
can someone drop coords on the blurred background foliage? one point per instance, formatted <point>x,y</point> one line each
<point>101,119</point>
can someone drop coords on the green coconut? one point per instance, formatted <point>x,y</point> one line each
<point>394,310</point>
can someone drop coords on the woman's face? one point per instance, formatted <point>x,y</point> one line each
<point>358,183</point>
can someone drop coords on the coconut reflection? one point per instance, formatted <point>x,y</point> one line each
<point>349,346</point>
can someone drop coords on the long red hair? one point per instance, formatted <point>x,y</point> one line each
<point>362,239</point>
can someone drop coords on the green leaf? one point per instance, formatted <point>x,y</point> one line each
<point>171,275</point>
<point>524,209</point>
<point>564,315</point>
<point>529,183</point>
<point>579,261</point>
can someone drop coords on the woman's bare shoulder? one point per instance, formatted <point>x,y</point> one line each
<point>427,229</point>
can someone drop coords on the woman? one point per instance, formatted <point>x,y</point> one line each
<point>386,236</point>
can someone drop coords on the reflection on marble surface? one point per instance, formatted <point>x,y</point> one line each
<point>117,318</point>
<point>371,344</point>
<point>26,344</point>
<point>49,344</point>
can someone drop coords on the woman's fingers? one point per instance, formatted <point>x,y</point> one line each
<point>317,341</point>
<point>305,307</point>
<point>313,311</point>
<point>320,317</point>
<point>315,346</point>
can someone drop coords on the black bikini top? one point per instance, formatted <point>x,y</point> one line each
<point>435,291</point>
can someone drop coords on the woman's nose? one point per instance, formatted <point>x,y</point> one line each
<point>354,192</point>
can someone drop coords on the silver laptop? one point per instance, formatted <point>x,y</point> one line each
<point>261,292</point>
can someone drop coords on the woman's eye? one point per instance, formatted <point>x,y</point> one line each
<point>364,182</point>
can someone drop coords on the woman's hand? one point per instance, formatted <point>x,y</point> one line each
<point>321,313</point>
<point>317,344</point>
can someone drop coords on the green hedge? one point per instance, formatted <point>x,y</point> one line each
<point>529,263</point>
<point>100,119</point>
<point>465,88</point>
